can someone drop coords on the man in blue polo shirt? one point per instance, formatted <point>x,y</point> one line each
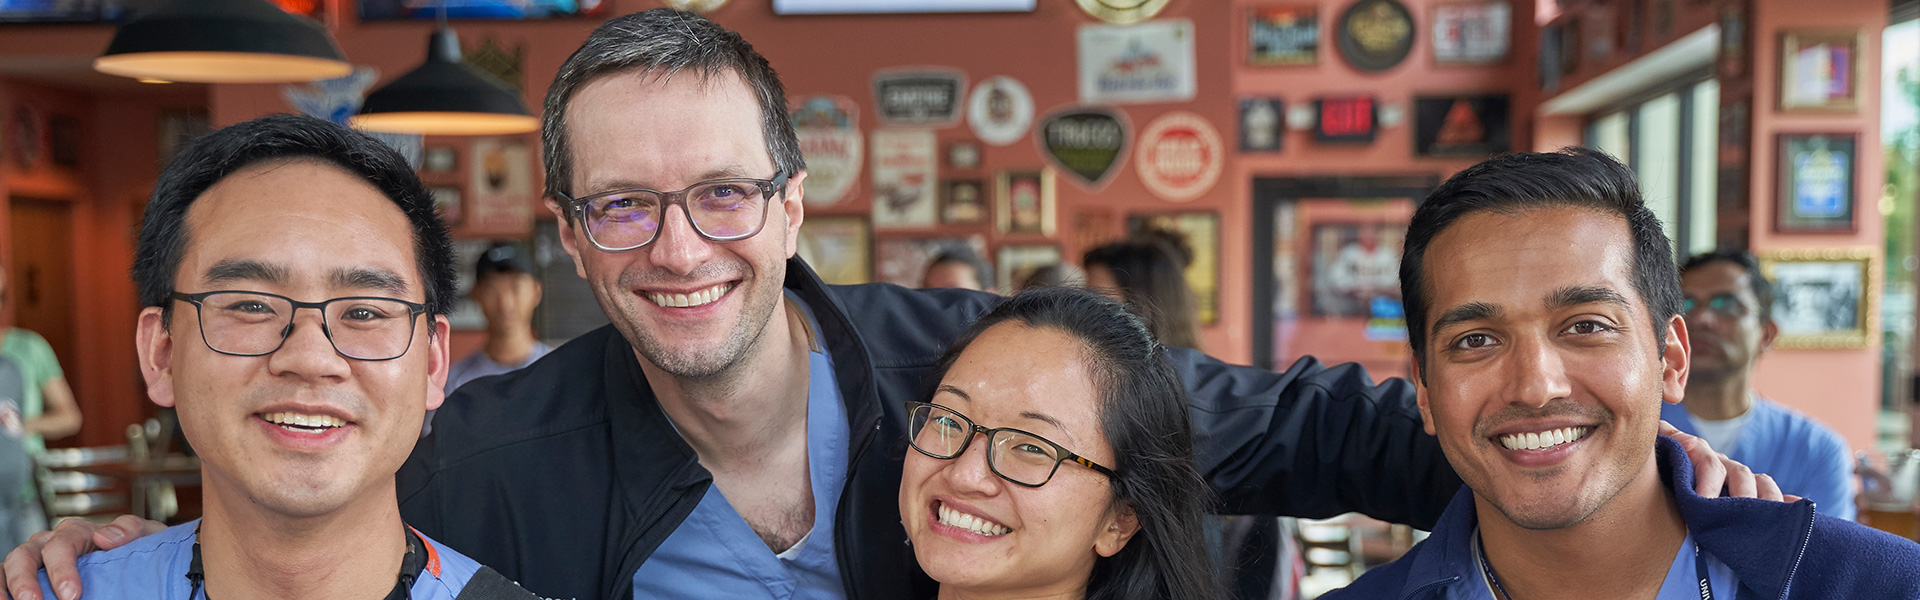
<point>300,417</point>
<point>1729,308</point>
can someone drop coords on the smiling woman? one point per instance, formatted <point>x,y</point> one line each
<point>1054,459</point>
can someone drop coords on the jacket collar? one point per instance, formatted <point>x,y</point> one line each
<point>1760,540</point>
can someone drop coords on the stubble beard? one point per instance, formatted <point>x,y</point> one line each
<point>698,366</point>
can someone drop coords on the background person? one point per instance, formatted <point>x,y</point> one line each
<point>508,293</point>
<point>1149,272</point>
<point>1729,310</point>
<point>959,268</point>
<point>36,405</point>
<point>1091,493</point>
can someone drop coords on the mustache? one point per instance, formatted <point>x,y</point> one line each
<point>1557,408</point>
<point>658,277</point>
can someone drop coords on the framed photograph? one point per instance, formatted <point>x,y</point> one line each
<point>903,261</point>
<point>1821,297</point>
<point>440,159</point>
<point>1814,193</point>
<point>963,155</point>
<point>446,202</point>
<point>1201,230</point>
<point>1819,71</point>
<point>1473,126</point>
<point>1262,126</point>
<point>963,201</point>
<point>1354,265</point>
<point>1286,36</point>
<point>1017,262</point>
<point>840,249</point>
<point>1025,199</point>
<point>1473,33</point>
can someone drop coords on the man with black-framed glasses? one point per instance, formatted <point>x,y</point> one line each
<point>295,282</point>
<point>1728,306</point>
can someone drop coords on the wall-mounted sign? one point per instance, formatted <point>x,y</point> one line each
<point>1471,34</point>
<point>502,185</point>
<point>1137,64</point>
<point>1261,124</point>
<point>1375,35</point>
<point>921,97</point>
<point>1089,143</point>
<point>1346,119</point>
<point>1179,156</point>
<point>849,7</point>
<point>905,164</point>
<point>1283,36</point>
<point>829,132</point>
<point>1461,126</point>
<point>1000,110</point>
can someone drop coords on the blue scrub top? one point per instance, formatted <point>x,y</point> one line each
<point>1808,459</point>
<point>715,554</point>
<point>1682,582</point>
<point>155,567</point>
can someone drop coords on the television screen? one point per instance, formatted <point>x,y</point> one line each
<point>388,10</point>
<point>845,7</point>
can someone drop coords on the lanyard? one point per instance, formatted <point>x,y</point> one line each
<point>410,567</point>
<point>1486,567</point>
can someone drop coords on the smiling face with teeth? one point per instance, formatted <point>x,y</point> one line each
<point>972,529</point>
<point>302,432</point>
<point>691,307</point>
<point>1543,381</point>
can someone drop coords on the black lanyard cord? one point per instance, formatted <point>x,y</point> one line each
<point>410,567</point>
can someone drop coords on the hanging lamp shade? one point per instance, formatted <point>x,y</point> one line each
<point>222,41</point>
<point>445,97</point>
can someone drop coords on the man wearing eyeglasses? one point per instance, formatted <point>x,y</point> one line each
<point>296,284</point>
<point>1729,309</point>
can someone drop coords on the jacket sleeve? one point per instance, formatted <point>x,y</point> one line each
<point>1314,442</point>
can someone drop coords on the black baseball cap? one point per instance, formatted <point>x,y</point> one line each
<point>502,257</point>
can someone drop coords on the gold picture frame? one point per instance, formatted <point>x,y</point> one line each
<point>1024,201</point>
<point>1820,71</point>
<point>1823,298</point>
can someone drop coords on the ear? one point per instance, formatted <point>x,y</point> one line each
<point>439,361</point>
<point>1675,356</point>
<point>1420,397</point>
<point>1768,332</point>
<point>796,210</point>
<point>1119,527</point>
<point>154,344</point>
<point>567,233</point>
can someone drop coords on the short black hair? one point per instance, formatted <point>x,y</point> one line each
<point>965,255</point>
<point>1756,280</point>
<point>213,157</point>
<point>1143,413</point>
<point>1572,177</point>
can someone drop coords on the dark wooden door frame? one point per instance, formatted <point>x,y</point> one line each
<point>1269,193</point>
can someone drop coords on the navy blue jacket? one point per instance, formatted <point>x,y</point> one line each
<point>566,475</point>
<point>1775,549</point>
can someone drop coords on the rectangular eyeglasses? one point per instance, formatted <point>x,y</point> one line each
<point>242,323</point>
<point>1017,456</point>
<point>721,210</point>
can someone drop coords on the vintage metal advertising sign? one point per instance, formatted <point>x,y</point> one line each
<point>1088,142</point>
<point>829,131</point>
<point>1179,156</point>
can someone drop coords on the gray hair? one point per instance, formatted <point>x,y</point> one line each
<point>664,41</point>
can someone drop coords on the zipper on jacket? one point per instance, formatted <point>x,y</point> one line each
<point>1806,538</point>
<point>842,530</point>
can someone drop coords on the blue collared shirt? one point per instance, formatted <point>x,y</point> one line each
<point>1806,458</point>
<point>155,568</point>
<point>1682,582</point>
<point>715,554</point>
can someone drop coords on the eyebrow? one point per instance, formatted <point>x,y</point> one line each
<point>231,271</point>
<point>370,278</point>
<point>1571,296</point>
<point>731,171</point>
<point>1471,311</point>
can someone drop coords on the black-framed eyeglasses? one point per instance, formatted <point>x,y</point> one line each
<point>1017,456</point>
<point>1725,305</point>
<point>243,323</point>
<point>721,210</point>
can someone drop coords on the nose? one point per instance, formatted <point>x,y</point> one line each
<point>1537,374</point>
<point>970,473</point>
<point>677,247</point>
<point>307,353</point>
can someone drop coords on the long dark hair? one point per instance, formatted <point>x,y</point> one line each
<point>1151,269</point>
<point>1143,412</point>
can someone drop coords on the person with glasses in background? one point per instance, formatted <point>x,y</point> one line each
<point>1054,460</point>
<point>296,284</point>
<point>1729,310</point>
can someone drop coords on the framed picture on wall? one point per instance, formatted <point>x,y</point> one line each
<point>1821,297</point>
<point>1200,232</point>
<point>446,202</point>
<point>1283,36</point>
<point>1016,263</point>
<point>1353,266</point>
<point>840,249</point>
<point>1025,201</point>
<point>1819,71</point>
<point>963,201</point>
<point>1814,193</point>
<point>1471,33</point>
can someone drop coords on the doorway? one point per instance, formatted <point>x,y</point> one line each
<point>41,276</point>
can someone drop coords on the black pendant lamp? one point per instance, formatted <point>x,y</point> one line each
<point>445,96</point>
<point>222,41</point>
